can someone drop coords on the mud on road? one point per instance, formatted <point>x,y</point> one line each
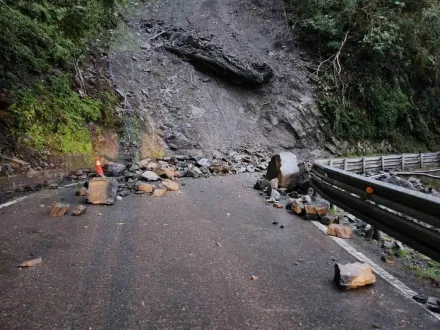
<point>191,111</point>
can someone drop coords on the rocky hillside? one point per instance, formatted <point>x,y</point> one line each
<point>187,108</point>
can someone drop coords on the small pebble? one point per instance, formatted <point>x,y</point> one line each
<point>282,226</point>
<point>275,222</point>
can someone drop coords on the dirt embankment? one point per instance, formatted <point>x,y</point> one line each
<point>196,111</point>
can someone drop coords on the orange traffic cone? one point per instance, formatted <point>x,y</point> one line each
<point>99,171</point>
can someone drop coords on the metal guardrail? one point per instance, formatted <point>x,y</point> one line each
<point>384,163</point>
<point>409,216</point>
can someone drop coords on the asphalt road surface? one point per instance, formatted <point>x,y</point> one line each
<point>154,263</point>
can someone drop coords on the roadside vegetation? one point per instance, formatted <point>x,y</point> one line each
<point>41,44</point>
<point>378,67</point>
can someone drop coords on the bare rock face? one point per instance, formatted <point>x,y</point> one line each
<point>340,231</point>
<point>171,185</point>
<point>102,191</point>
<point>351,276</point>
<point>284,167</point>
<point>59,209</point>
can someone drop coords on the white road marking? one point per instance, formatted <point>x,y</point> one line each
<point>402,288</point>
<point>13,202</point>
<point>73,184</point>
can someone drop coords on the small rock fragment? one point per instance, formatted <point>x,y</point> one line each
<point>159,192</point>
<point>420,299</point>
<point>218,244</point>
<point>171,185</point>
<point>282,226</point>
<point>115,169</point>
<point>204,162</point>
<point>79,210</point>
<point>142,187</point>
<point>298,207</point>
<point>278,205</point>
<point>42,205</point>
<point>254,278</point>
<point>150,176</point>
<point>81,191</point>
<point>119,198</point>
<point>340,231</point>
<point>124,193</point>
<point>53,186</point>
<point>433,304</point>
<point>275,222</point>
<point>31,263</point>
<point>275,196</point>
<point>351,276</point>
<point>59,209</point>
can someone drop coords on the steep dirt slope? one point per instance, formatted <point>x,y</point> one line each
<point>189,111</point>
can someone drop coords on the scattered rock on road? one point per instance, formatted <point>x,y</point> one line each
<point>102,191</point>
<point>31,263</point>
<point>340,231</point>
<point>351,276</point>
<point>150,176</point>
<point>420,299</point>
<point>433,304</point>
<point>115,169</point>
<point>59,209</point>
<point>254,278</point>
<point>79,210</point>
<point>81,191</point>
<point>171,185</point>
<point>159,192</point>
<point>143,188</point>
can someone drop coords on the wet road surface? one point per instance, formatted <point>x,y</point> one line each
<point>154,263</point>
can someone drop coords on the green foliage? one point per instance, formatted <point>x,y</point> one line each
<point>390,80</point>
<point>39,43</point>
<point>40,35</point>
<point>55,117</point>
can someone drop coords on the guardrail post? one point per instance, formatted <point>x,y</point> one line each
<point>383,163</point>
<point>345,164</point>
<point>403,161</point>
<point>421,160</point>
<point>363,165</point>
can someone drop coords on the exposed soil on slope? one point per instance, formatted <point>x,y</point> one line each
<point>191,111</point>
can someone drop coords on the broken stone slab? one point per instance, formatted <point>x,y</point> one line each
<point>284,167</point>
<point>150,176</point>
<point>59,209</point>
<point>79,210</point>
<point>159,192</point>
<point>352,276</point>
<point>115,169</point>
<point>142,187</point>
<point>433,304</point>
<point>340,231</point>
<point>171,185</point>
<point>102,191</point>
<point>316,210</point>
<point>31,263</point>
